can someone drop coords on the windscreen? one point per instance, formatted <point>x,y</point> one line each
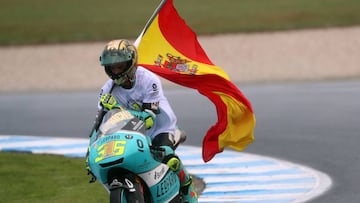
<point>115,120</point>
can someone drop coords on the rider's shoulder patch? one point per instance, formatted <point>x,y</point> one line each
<point>155,87</point>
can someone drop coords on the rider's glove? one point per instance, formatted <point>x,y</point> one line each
<point>108,101</point>
<point>147,116</point>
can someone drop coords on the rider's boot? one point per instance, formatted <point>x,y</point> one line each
<point>169,139</point>
<point>188,192</point>
<point>187,188</point>
<point>178,137</point>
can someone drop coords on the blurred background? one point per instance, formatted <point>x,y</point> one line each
<point>43,21</point>
<point>55,45</point>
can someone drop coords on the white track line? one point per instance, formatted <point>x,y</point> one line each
<point>229,177</point>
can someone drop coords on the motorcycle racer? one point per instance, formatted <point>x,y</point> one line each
<point>139,90</point>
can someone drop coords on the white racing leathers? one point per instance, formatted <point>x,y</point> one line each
<point>147,89</point>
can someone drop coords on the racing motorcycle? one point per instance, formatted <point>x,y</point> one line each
<point>121,157</point>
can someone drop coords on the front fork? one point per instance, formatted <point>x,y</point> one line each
<point>129,186</point>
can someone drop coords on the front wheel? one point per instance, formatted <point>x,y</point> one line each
<point>116,195</point>
<point>130,192</point>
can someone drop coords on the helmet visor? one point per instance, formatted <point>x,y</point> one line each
<point>118,68</point>
<point>113,57</point>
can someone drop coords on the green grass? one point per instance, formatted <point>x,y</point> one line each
<point>28,178</point>
<point>50,21</point>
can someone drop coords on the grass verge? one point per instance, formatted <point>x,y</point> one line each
<point>28,178</point>
<point>46,21</point>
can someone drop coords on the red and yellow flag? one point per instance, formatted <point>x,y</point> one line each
<point>169,48</point>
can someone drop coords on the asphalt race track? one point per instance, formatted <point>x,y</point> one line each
<point>314,125</point>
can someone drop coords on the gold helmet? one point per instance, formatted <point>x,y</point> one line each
<point>116,52</point>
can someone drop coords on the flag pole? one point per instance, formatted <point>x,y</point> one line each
<point>151,19</point>
<point>157,10</point>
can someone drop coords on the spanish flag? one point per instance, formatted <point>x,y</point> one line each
<point>169,48</point>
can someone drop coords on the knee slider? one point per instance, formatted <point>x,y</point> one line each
<point>173,162</point>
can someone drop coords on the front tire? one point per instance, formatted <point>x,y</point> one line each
<point>119,194</point>
<point>115,195</point>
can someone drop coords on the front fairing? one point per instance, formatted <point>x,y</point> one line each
<point>120,142</point>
